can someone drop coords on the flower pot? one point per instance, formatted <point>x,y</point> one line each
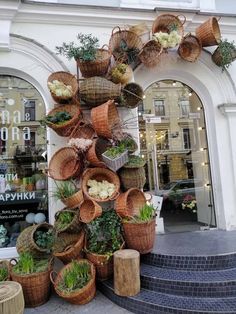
<point>115,163</point>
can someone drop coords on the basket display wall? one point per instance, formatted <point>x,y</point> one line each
<point>132,177</point>
<point>190,48</point>
<point>209,32</point>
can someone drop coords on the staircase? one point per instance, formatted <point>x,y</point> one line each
<point>182,284</point>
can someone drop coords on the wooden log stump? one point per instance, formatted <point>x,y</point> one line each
<point>126,272</point>
<point>11,298</point>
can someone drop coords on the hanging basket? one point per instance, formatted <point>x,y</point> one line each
<point>99,67</point>
<point>67,79</point>
<point>209,32</point>
<point>97,90</point>
<point>140,236</point>
<point>73,227</point>
<point>129,203</point>
<point>119,76</point>
<point>89,210</point>
<point>72,251</point>
<point>132,145</point>
<point>132,95</point>
<point>190,48</point>
<point>74,200</point>
<point>218,60</point>
<point>65,164</point>
<point>94,153</point>
<point>65,128</point>
<point>132,178</point>
<point>150,53</point>
<point>26,241</point>
<point>166,23</point>
<point>100,174</point>
<point>105,119</point>
<point>83,130</point>
<point>142,31</point>
<point>11,298</point>
<point>81,296</point>
<point>36,286</point>
<point>5,264</point>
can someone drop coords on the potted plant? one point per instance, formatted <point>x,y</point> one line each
<point>139,230</point>
<point>91,60</point>
<point>121,73</point>
<point>4,270</point>
<point>75,283</point>
<point>224,54</point>
<point>103,238</point>
<point>115,157</point>
<point>68,193</point>
<point>34,277</point>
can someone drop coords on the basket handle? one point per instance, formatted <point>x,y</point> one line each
<point>115,196</point>
<point>53,274</point>
<point>15,262</point>
<point>182,16</point>
<point>119,30</point>
<point>106,46</point>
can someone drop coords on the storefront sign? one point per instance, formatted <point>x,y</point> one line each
<point>22,196</point>
<point>13,214</point>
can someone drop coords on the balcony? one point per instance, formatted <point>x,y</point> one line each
<point>30,153</point>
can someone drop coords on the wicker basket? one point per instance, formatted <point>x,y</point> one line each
<point>119,37</point>
<point>11,298</point>
<point>36,287</point>
<point>132,95</point>
<point>73,227</point>
<point>217,57</point>
<point>122,78</point>
<point>5,264</point>
<point>116,163</point>
<point>150,53</point>
<point>26,243</point>
<point>100,174</point>
<point>132,148</point>
<point>83,130</point>
<point>67,127</point>
<point>67,79</point>
<point>167,22</point>
<point>209,32</point>
<point>142,31</point>
<point>105,119</point>
<point>190,48</point>
<point>94,153</point>
<point>140,236</point>
<point>63,240</point>
<point>97,90</point>
<point>74,200</point>
<point>72,251</point>
<point>132,178</point>
<point>65,164</point>
<point>103,264</point>
<point>81,296</point>
<point>129,203</point>
<point>99,67</point>
<point>89,210</point>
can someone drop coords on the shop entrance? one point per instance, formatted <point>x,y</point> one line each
<point>174,143</point>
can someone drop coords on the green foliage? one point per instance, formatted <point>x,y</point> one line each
<point>119,69</point>
<point>125,53</point>
<point>27,264</point>
<point>129,143</point>
<point>115,151</point>
<point>104,233</point>
<point>64,219</point>
<point>147,212</point>
<point>3,272</point>
<point>228,53</point>
<point>85,51</point>
<point>135,161</point>
<point>64,190</point>
<point>76,277</point>
<point>44,239</point>
<point>59,118</point>
<point>173,27</point>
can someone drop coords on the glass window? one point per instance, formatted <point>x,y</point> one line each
<point>186,138</point>
<point>159,107</point>
<point>29,110</point>
<point>184,108</point>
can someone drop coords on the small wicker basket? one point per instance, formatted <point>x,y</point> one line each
<point>63,240</point>
<point>142,31</point>
<point>83,130</point>
<point>73,227</point>
<point>167,22</point>
<point>94,153</point>
<point>89,210</point>
<point>190,48</point>
<point>132,95</point>
<point>74,200</point>
<point>132,177</point>
<point>209,32</point>
<point>150,53</point>
<point>67,79</point>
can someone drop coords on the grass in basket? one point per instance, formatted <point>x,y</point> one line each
<point>3,272</point>
<point>64,190</point>
<point>64,219</point>
<point>28,265</point>
<point>115,151</point>
<point>75,277</point>
<point>146,214</point>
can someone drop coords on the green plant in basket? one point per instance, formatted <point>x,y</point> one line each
<point>116,151</point>
<point>225,54</point>
<point>59,118</point>
<point>27,264</point>
<point>44,240</point>
<point>64,190</point>
<point>3,272</point>
<point>64,219</point>
<point>129,143</point>
<point>135,161</point>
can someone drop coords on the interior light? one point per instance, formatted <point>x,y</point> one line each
<point>140,113</point>
<point>174,83</point>
<point>201,128</point>
<point>199,108</point>
<point>190,93</point>
<point>144,96</point>
<point>141,135</point>
<point>203,148</point>
<point>142,156</point>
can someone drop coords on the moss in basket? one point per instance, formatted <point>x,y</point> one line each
<point>3,272</point>
<point>64,190</point>
<point>59,118</point>
<point>75,278</point>
<point>104,234</point>
<point>28,265</point>
<point>85,51</point>
<point>64,219</point>
<point>135,161</point>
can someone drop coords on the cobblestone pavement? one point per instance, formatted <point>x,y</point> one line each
<point>100,304</point>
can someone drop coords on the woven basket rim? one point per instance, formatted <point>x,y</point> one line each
<point>72,246</point>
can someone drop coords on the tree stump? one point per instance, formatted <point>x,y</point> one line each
<point>11,298</point>
<point>126,272</point>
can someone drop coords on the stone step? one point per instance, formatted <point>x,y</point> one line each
<point>191,262</point>
<point>153,302</point>
<point>217,284</point>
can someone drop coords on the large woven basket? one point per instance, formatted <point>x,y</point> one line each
<point>73,200</point>
<point>63,240</point>
<point>65,164</point>
<point>99,67</point>
<point>103,264</point>
<point>73,227</point>
<point>94,153</point>
<point>72,251</point>
<point>105,119</point>
<point>26,243</point>
<point>11,298</point>
<point>190,48</point>
<point>140,236</point>
<point>67,79</point>
<point>100,174</point>
<point>89,210</point>
<point>83,130</point>
<point>5,264</point>
<point>97,90</point>
<point>67,127</point>
<point>129,203</point>
<point>123,37</point>
<point>209,32</point>
<point>150,53</point>
<point>132,178</point>
<point>81,296</point>
<point>36,287</point>
<point>132,95</point>
<point>165,23</point>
